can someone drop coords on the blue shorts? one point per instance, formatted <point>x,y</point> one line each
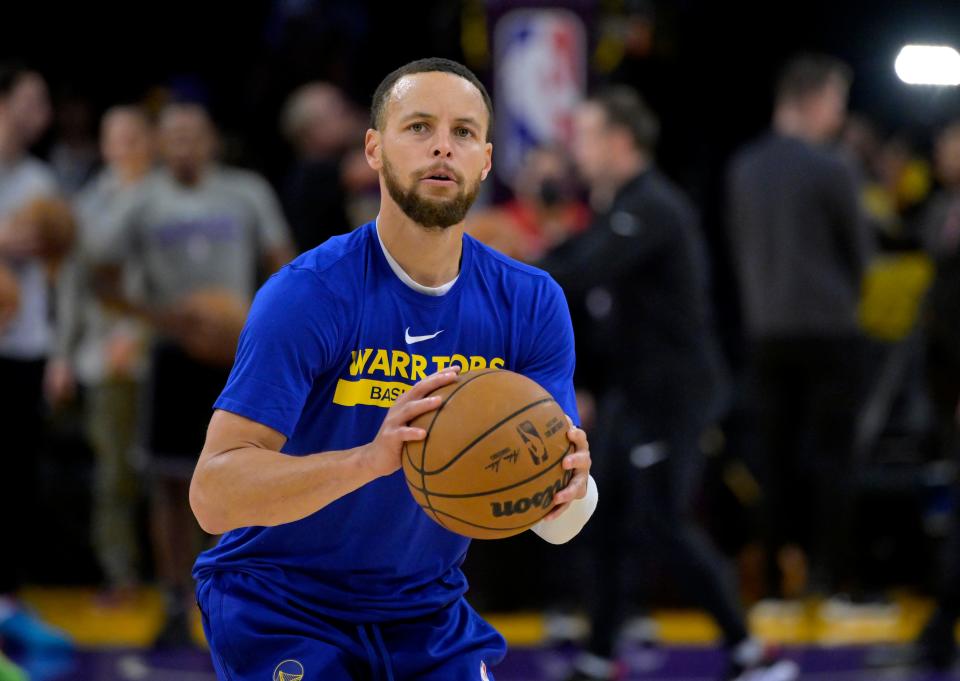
<point>256,635</point>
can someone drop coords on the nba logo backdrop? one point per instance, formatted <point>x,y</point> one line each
<point>540,76</point>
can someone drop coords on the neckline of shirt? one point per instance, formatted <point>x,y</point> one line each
<point>407,280</point>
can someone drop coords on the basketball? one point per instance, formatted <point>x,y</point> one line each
<point>49,220</point>
<point>490,464</point>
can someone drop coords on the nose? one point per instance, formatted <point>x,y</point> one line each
<point>441,146</point>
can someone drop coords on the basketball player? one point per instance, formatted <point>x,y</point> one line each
<point>328,569</point>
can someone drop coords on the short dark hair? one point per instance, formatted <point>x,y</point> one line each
<point>378,108</point>
<point>625,108</point>
<point>808,74</point>
<point>11,72</point>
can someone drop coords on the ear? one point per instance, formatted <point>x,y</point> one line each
<point>372,149</point>
<point>488,164</point>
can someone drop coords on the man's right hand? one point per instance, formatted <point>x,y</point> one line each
<point>383,455</point>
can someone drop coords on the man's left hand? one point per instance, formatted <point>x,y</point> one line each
<point>579,462</point>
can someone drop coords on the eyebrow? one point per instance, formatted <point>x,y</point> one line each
<point>422,114</point>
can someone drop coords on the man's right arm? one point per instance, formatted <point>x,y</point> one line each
<point>242,479</point>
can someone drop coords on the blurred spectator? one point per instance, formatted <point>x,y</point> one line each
<point>936,647</point>
<point>326,132</point>
<point>544,211</point>
<point>74,155</point>
<point>636,281</point>
<point>905,177</point>
<point>801,248</point>
<point>26,336</point>
<point>940,235</point>
<point>861,143</point>
<point>103,351</point>
<point>196,232</point>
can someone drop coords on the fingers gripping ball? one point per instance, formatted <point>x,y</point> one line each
<point>490,464</point>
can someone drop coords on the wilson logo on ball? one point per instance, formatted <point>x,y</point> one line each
<point>542,500</point>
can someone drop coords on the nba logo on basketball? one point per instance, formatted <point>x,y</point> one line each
<point>540,68</point>
<point>531,438</point>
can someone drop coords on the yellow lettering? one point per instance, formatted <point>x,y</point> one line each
<point>496,363</point>
<point>356,366</point>
<point>380,363</point>
<point>464,364</point>
<point>441,361</point>
<point>368,391</point>
<point>401,361</point>
<point>419,364</point>
<point>477,362</point>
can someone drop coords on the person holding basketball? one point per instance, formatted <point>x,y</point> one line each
<point>328,568</point>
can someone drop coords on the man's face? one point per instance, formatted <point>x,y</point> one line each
<point>947,156</point>
<point>330,122</point>
<point>187,142</point>
<point>432,152</point>
<point>28,108</point>
<point>827,109</point>
<point>126,140</point>
<point>591,142</point>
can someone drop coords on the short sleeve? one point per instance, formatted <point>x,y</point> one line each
<point>290,337</point>
<point>272,229</point>
<point>550,355</point>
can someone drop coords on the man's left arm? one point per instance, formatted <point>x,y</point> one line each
<point>550,361</point>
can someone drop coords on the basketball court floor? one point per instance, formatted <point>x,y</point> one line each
<point>831,642</point>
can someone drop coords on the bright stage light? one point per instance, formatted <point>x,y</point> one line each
<point>928,65</point>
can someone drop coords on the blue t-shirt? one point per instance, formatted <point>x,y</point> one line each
<point>323,355</point>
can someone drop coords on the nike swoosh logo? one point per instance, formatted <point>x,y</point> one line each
<point>416,339</point>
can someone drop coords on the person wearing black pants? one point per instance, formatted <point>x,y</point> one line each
<point>810,394</point>
<point>649,459</point>
<point>801,247</point>
<point>937,646</point>
<point>636,283</point>
<point>21,421</point>
<point>25,341</point>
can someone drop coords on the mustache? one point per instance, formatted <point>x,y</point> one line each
<point>438,168</point>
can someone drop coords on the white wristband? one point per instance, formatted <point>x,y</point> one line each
<point>568,525</point>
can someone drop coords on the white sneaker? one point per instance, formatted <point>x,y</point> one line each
<point>768,670</point>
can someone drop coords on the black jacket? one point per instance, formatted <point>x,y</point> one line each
<point>636,282</point>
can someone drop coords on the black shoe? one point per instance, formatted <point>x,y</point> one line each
<point>937,647</point>
<point>175,633</point>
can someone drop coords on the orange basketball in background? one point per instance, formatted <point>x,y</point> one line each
<point>490,464</point>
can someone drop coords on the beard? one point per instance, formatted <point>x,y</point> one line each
<point>430,213</point>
